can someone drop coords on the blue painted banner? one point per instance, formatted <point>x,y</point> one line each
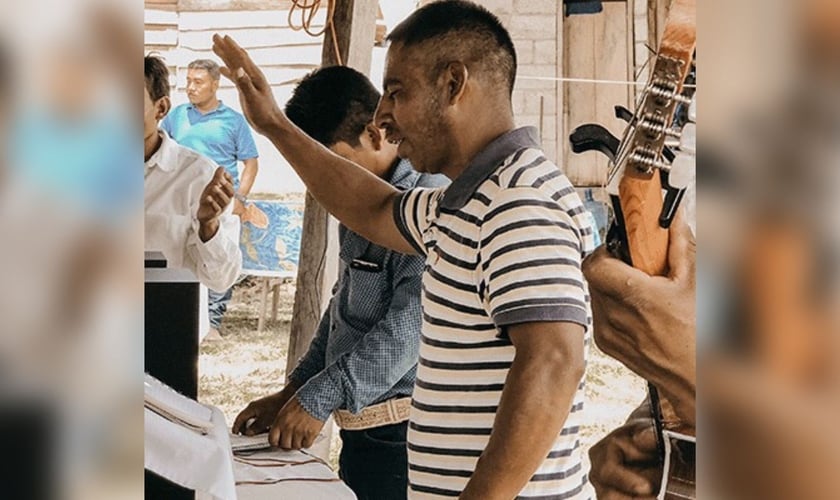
<point>270,237</point>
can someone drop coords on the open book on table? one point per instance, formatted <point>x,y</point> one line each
<point>242,444</point>
<point>245,444</point>
<point>175,407</point>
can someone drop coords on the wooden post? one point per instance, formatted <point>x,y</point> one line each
<point>355,26</point>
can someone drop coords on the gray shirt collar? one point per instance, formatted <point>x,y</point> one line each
<point>485,163</point>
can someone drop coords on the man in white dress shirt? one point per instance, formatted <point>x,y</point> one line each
<point>188,207</point>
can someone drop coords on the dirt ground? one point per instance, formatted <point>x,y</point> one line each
<point>245,365</point>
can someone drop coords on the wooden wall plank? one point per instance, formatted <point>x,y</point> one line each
<point>596,48</point>
<point>232,5</point>
<point>251,37</point>
<point>262,56</point>
<point>167,37</point>
<point>200,21</point>
<point>158,16</point>
<point>580,98</point>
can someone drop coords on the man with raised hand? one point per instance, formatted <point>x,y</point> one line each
<point>496,408</point>
<point>361,364</point>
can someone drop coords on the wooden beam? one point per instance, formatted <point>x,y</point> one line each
<point>355,25</point>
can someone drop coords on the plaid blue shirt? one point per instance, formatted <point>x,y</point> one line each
<point>366,347</point>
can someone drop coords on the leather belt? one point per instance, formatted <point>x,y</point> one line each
<point>393,411</point>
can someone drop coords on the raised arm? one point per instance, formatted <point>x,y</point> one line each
<point>357,198</point>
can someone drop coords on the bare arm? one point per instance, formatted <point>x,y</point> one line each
<point>535,403</point>
<point>357,198</point>
<point>249,174</point>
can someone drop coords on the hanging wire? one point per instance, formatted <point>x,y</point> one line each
<point>590,80</point>
<point>308,10</point>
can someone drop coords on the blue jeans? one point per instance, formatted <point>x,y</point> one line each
<point>217,305</point>
<point>374,462</point>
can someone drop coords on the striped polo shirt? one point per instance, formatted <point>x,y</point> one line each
<point>503,246</point>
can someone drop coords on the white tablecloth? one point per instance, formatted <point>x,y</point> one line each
<point>203,463</point>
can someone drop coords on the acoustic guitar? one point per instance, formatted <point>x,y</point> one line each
<point>651,165</point>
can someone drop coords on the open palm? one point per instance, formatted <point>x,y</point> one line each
<point>255,93</point>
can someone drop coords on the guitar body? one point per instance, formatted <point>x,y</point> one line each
<point>680,481</point>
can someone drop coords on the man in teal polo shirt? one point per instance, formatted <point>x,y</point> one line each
<point>222,134</point>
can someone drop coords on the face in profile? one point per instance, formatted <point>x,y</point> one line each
<point>201,87</point>
<point>413,110</point>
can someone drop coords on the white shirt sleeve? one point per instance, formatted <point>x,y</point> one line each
<point>218,261</point>
<point>173,187</point>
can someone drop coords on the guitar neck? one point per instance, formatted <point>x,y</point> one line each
<point>640,188</point>
<point>641,200</point>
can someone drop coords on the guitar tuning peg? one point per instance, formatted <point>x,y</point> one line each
<point>682,171</point>
<point>680,175</point>
<point>688,139</point>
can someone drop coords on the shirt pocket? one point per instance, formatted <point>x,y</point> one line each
<point>368,287</point>
<point>368,295</point>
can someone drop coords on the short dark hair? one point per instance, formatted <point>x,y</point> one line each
<point>157,77</point>
<point>333,104</point>
<point>457,29</point>
<point>208,65</point>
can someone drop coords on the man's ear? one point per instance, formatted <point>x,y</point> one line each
<point>374,133</point>
<point>455,78</point>
<point>344,150</point>
<point>162,106</point>
<point>216,84</point>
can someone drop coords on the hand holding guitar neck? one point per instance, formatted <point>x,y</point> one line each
<point>632,310</point>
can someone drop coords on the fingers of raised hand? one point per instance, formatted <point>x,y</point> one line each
<point>240,68</point>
